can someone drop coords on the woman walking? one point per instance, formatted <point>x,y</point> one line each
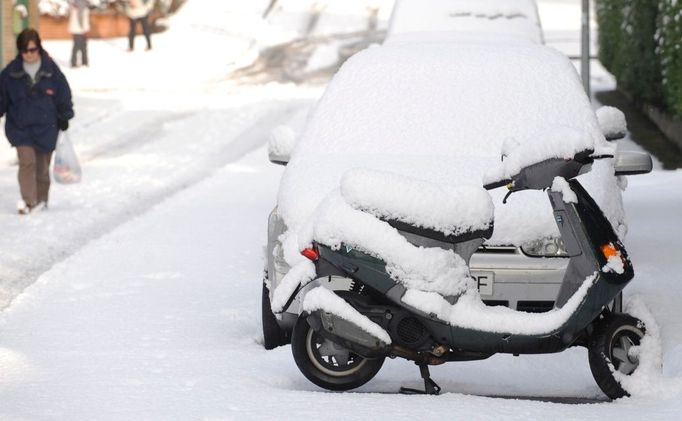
<point>79,26</point>
<point>37,100</point>
<point>139,11</point>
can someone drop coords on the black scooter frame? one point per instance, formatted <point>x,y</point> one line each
<point>584,230</point>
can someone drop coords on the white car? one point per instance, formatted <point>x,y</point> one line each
<point>444,112</point>
<point>458,19</point>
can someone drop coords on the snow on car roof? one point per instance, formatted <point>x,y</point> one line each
<point>441,112</point>
<point>511,18</point>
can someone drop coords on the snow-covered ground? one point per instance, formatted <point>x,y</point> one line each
<point>137,294</point>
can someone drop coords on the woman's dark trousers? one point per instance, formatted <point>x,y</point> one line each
<point>144,21</point>
<point>80,44</point>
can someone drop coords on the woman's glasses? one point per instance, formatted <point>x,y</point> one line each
<point>29,50</point>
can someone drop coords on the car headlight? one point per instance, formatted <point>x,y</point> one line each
<point>546,247</point>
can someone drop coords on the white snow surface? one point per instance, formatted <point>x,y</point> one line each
<point>321,298</point>
<point>282,140</point>
<point>335,223</point>
<point>470,312</point>
<point>614,264</point>
<point>148,298</point>
<point>299,274</point>
<point>508,18</point>
<point>560,185</point>
<point>450,210</point>
<point>611,120</point>
<point>558,142</point>
<point>380,112</point>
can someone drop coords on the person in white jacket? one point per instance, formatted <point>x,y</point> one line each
<point>79,26</point>
<point>138,12</point>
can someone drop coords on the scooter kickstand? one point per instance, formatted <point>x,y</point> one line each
<point>430,387</point>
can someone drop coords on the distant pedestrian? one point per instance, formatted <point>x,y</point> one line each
<point>37,100</point>
<point>79,26</point>
<point>138,11</point>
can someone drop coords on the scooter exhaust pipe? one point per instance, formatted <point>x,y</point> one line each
<point>347,334</point>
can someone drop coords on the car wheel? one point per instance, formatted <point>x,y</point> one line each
<point>610,348</point>
<point>273,335</point>
<point>327,364</point>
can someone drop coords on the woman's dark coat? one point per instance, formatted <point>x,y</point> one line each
<point>33,109</point>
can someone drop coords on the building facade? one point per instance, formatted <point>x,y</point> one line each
<point>15,15</point>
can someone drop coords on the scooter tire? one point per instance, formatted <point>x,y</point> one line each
<point>608,350</point>
<point>304,341</point>
<point>273,334</point>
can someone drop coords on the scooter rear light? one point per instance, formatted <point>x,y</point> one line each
<point>311,253</point>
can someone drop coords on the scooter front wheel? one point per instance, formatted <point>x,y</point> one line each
<point>327,364</point>
<point>612,347</point>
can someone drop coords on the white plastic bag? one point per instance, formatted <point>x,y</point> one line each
<point>66,169</point>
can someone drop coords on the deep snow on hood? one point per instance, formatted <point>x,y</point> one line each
<point>441,112</point>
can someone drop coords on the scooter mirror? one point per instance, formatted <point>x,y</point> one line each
<point>281,143</point>
<point>612,122</point>
<point>633,163</point>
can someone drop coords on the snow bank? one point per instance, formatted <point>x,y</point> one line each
<point>321,298</point>
<point>648,380</point>
<point>394,197</point>
<point>470,312</point>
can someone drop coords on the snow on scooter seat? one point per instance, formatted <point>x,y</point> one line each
<point>443,208</point>
<point>335,223</point>
<point>349,217</point>
<point>434,269</point>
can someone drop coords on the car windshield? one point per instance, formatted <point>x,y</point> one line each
<point>442,112</point>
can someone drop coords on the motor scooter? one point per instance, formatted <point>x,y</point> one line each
<point>335,352</point>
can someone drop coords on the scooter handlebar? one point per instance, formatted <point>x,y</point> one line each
<point>540,175</point>
<point>496,184</point>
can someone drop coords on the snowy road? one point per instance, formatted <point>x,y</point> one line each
<point>159,320</point>
<point>157,124</point>
<point>127,171</point>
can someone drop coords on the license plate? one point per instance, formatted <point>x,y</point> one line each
<point>485,281</point>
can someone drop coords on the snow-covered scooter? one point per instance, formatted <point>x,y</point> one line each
<point>335,351</point>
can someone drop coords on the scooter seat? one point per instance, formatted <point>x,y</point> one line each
<point>451,214</point>
<point>459,237</point>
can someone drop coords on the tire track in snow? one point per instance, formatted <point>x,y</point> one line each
<point>63,230</point>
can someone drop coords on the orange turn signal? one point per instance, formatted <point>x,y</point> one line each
<point>609,250</point>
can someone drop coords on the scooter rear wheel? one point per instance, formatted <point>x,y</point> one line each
<point>327,364</point>
<point>610,348</point>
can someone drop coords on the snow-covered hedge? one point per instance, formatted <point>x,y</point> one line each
<point>640,42</point>
<point>669,39</point>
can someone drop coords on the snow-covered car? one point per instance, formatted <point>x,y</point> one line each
<point>444,113</point>
<point>457,19</point>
